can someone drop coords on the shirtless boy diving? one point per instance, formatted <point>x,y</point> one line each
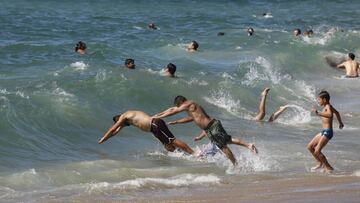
<point>351,66</point>
<point>144,122</point>
<point>261,114</point>
<point>321,139</point>
<point>210,127</point>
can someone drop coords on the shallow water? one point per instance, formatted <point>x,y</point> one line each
<point>55,104</point>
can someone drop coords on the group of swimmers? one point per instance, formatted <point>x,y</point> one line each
<point>212,127</point>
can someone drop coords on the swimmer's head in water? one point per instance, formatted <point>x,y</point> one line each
<point>80,46</point>
<point>193,45</point>
<point>152,26</point>
<point>309,33</point>
<point>250,31</point>
<point>130,63</point>
<point>220,33</point>
<point>323,98</point>
<point>351,56</point>
<point>179,100</point>
<point>297,32</point>
<point>116,118</point>
<point>171,68</point>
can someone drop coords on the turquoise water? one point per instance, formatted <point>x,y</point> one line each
<point>55,104</point>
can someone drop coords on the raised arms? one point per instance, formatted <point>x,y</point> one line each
<point>171,111</point>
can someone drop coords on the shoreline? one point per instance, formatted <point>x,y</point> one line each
<point>299,189</point>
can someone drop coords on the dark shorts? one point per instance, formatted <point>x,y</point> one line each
<point>328,133</point>
<point>217,134</point>
<point>161,131</point>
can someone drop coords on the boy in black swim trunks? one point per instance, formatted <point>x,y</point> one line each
<point>322,138</point>
<point>210,127</point>
<point>144,122</point>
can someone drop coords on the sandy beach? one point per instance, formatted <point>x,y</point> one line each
<point>330,189</point>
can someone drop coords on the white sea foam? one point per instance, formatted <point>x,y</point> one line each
<point>197,82</point>
<point>259,70</point>
<point>79,65</point>
<point>100,75</point>
<point>223,99</point>
<point>295,115</point>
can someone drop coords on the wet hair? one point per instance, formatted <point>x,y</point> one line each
<point>298,31</point>
<point>220,33</point>
<point>310,31</point>
<point>250,31</point>
<point>116,118</point>
<point>171,68</point>
<point>324,95</point>
<point>152,26</point>
<point>128,61</point>
<point>195,44</point>
<point>80,45</point>
<point>352,56</point>
<point>179,100</point>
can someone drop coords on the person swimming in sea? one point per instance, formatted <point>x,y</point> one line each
<point>351,66</point>
<point>261,114</point>
<point>146,123</point>
<point>193,46</point>
<point>297,32</point>
<point>130,63</point>
<point>308,33</point>
<point>152,26</point>
<point>80,47</point>
<point>250,31</point>
<point>170,70</point>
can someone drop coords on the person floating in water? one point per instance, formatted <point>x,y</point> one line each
<point>308,33</point>
<point>144,122</point>
<point>193,46</point>
<point>170,70</point>
<point>261,114</point>
<point>322,138</point>
<point>351,66</point>
<point>297,32</point>
<point>152,26</point>
<point>130,63</point>
<point>210,127</point>
<point>250,31</point>
<point>80,48</point>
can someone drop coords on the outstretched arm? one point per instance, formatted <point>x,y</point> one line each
<point>171,111</point>
<point>338,117</point>
<point>201,136</point>
<point>113,130</point>
<point>342,66</point>
<point>183,120</point>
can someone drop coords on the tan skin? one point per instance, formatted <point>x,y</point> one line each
<point>351,67</point>
<point>142,121</point>
<point>261,114</point>
<point>197,114</point>
<point>319,142</point>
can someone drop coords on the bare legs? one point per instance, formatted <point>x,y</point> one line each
<point>240,142</point>
<point>261,114</point>
<point>275,115</point>
<point>179,144</point>
<point>315,146</point>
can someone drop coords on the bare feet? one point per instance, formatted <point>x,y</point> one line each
<point>253,148</point>
<point>265,92</point>
<point>329,169</point>
<point>319,166</point>
<point>284,107</point>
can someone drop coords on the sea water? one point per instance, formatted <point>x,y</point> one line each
<point>55,104</point>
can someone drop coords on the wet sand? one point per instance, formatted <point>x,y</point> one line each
<point>309,189</point>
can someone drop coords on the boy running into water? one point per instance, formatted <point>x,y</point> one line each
<point>210,127</point>
<point>321,139</point>
<point>145,123</point>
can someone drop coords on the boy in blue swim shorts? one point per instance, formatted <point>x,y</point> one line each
<point>322,138</point>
